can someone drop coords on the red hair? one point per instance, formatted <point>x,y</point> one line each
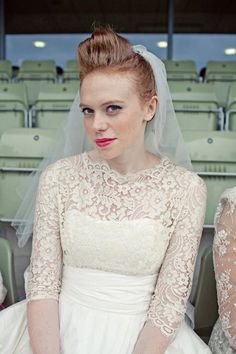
<point>106,51</point>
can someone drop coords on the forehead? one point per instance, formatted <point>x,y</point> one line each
<point>103,86</point>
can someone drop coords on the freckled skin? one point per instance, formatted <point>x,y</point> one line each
<point>113,109</point>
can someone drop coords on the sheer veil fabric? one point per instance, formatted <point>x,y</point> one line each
<point>162,137</point>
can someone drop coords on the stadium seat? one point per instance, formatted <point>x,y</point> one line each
<point>221,89</point>
<point>71,71</point>
<point>231,109</point>
<point>21,151</point>
<point>196,106</point>
<point>213,156</point>
<point>221,74</point>
<point>8,272</point>
<point>13,106</point>
<point>33,72</point>
<point>221,71</point>
<point>5,71</point>
<point>183,70</point>
<point>52,104</point>
<point>205,298</point>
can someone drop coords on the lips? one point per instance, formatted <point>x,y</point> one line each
<point>104,141</point>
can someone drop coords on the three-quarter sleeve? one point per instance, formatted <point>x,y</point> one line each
<point>224,251</point>
<point>169,301</point>
<point>46,258</point>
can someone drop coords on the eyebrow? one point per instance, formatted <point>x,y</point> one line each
<point>104,104</point>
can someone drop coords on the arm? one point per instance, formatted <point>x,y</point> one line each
<point>168,305</point>
<point>224,251</point>
<point>43,326</point>
<point>45,270</point>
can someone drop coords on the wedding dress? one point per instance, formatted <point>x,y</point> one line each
<point>114,250</point>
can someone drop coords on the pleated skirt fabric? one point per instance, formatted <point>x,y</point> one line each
<point>100,313</point>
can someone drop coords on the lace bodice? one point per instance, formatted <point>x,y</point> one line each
<point>149,222</point>
<point>225,268</point>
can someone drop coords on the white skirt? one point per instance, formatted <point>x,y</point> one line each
<point>100,313</point>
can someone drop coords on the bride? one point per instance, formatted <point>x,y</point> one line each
<point>117,221</point>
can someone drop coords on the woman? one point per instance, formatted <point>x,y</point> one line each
<point>117,227</point>
<point>223,338</point>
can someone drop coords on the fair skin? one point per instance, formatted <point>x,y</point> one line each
<point>43,326</point>
<point>112,108</point>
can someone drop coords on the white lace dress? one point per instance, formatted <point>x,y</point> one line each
<point>115,251</point>
<point>223,338</point>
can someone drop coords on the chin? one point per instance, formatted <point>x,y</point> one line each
<point>108,154</point>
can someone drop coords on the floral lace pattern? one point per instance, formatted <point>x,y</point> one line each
<point>219,343</point>
<point>223,339</point>
<point>149,222</point>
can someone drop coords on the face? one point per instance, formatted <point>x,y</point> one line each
<point>114,116</point>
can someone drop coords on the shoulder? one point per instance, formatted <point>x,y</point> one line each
<point>185,178</point>
<point>64,167</point>
<point>226,204</point>
<point>229,195</point>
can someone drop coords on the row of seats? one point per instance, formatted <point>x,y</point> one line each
<point>196,106</point>
<point>33,72</point>
<point>36,69</point>
<point>52,104</point>
<point>176,70</point>
<point>213,155</point>
<point>219,73</point>
<point>187,70</point>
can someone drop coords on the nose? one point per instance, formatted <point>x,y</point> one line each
<point>99,122</point>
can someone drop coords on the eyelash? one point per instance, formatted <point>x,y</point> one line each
<point>83,110</point>
<point>115,108</point>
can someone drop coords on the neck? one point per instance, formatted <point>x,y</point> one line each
<point>132,161</point>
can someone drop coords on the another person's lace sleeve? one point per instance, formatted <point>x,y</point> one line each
<point>168,305</point>
<point>224,250</point>
<point>46,259</point>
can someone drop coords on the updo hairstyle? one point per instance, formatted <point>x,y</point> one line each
<point>106,51</point>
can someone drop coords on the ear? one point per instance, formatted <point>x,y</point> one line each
<point>151,107</point>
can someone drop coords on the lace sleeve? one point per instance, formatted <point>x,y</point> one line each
<point>224,250</point>
<point>168,305</point>
<point>46,257</point>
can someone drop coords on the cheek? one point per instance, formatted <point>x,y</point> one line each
<point>87,125</point>
<point>128,123</point>
<point>132,124</point>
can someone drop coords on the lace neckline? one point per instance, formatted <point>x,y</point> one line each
<point>103,166</point>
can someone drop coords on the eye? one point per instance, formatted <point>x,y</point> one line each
<point>113,108</point>
<point>87,111</point>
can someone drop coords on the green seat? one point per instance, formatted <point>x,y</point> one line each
<point>205,298</point>
<point>5,71</point>
<point>196,106</point>
<point>52,104</point>
<point>181,70</point>
<point>13,106</point>
<point>21,151</point>
<point>221,89</point>
<point>213,156</point>
<point>71,71</point>
<point>33,72</point>
<point>8,272</point>
<point>221,71</point>
<point>231,108</point>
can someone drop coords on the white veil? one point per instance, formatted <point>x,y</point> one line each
<point>162,136</point>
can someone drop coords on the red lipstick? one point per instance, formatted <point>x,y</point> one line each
<point>104,142</point>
